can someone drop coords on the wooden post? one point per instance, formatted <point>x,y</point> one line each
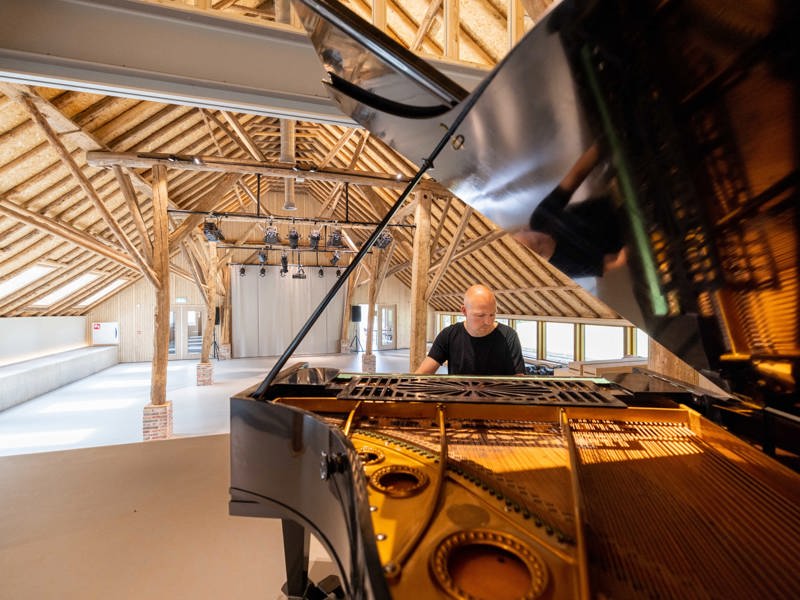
<point>420,262</point>
<point>158,389</point>
<point>211,301</point>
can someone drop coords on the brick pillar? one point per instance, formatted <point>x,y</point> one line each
<point>205,373</point>
<point>368,363</point>
<point>224,352</point>
<point>157,422</point>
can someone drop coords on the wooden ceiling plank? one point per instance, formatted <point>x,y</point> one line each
<point>65,232</point>
<point>86,186</point>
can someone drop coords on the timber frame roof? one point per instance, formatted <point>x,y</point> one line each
<point>57,210</point>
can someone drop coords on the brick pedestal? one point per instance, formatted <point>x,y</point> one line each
<point>224,352</point>
<point>368,363</point>
<point>205,373</point>
<point>157,422</point>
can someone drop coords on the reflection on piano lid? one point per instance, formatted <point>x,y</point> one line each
<point>693,106</point>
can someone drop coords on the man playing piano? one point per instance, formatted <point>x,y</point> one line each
<point>479,345</point>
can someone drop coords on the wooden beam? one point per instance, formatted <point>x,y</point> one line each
<point>243,137</point>
<point>420,262</point>
<point>334,150</point>
<point>243,166</point>
<point>86,186</point>
<point>65,232</point>
<point>425,25</point>
<point>451,248</point>
<point>158,387</point>
<point>516,21</point>
<point>210,202</point>
<point>129,194</point>
<point>211,300</point>
<point>452,25</point>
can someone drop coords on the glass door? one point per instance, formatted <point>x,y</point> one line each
<point>387,340</point>
<point>186,324</point>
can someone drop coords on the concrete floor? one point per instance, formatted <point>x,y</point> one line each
<point>87,512</point>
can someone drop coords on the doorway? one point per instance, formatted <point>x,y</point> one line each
<point>384,327</point>
<point>186,324</point>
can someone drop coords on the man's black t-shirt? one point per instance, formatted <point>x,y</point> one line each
<point>584,231</point>
<point>498,353</point>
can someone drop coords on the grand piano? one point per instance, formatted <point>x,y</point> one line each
<point>546,487</point>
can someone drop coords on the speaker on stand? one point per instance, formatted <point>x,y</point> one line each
<point>355,317</point>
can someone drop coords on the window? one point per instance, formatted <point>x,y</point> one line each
<point>526,330</point>
<point>560,342</point>
<point>503,321</point>
<point>603,342</point>
<point>642,343</point>
<point>65,290</point>
<point>20,280</point>
<point>103,292</point>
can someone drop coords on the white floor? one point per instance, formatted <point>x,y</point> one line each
<point>87,513</point>
<point>106,408</point>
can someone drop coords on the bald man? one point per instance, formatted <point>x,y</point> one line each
<point>479,345</point>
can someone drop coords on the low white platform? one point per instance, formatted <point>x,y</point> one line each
<point>28,379</point>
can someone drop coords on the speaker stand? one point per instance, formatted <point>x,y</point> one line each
<point>355,344</point>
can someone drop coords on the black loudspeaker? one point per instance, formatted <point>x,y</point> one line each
<point>216,315</point>
<point>355,313</point>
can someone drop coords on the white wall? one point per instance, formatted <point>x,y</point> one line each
<point>23,338</point>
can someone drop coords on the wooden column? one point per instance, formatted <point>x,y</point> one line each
<point>205,370</point>
<point>420,262</point>
<point>158,388</point>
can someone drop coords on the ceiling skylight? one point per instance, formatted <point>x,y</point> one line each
<point>20,280</point>
<point>102,292</point>
<point>65,290</point>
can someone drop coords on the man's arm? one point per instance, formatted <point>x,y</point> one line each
<point>516,352</point>
<point>427,367</point>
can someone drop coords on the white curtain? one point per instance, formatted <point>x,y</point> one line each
<point>268,312</point>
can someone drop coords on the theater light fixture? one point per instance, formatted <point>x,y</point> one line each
<point>299,273</point>
<point>262,258</point>
<point>284,264</point>
<point>271,235</point>
<point>335,239</point>
<point>212,232</point>
<point>321,273</point>
<point>313,239</point>
<point>335,258</point>
<point>338,273</point>
<point>262,272</point>
<point>383,241</point>
<point>294,238</point>
<point>242,271</point>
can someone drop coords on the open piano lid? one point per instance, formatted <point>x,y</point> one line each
<point>694,106</point>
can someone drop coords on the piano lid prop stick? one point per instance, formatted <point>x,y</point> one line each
<point>426,164</point>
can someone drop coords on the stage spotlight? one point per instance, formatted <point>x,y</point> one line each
<point>212,232</point>
<point>313,239</point>
<point>242,271</point>
<point>284,264</point>
<point>335,239</point>
<point>271,235</point>
<point>294,238</point>
<point>262,272</point>
<point>383,240</point>
<point>335,258</point>
<point>321,273</point>
<point>262,258</point>
<point>299,273</point>
<point>338,273</point>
